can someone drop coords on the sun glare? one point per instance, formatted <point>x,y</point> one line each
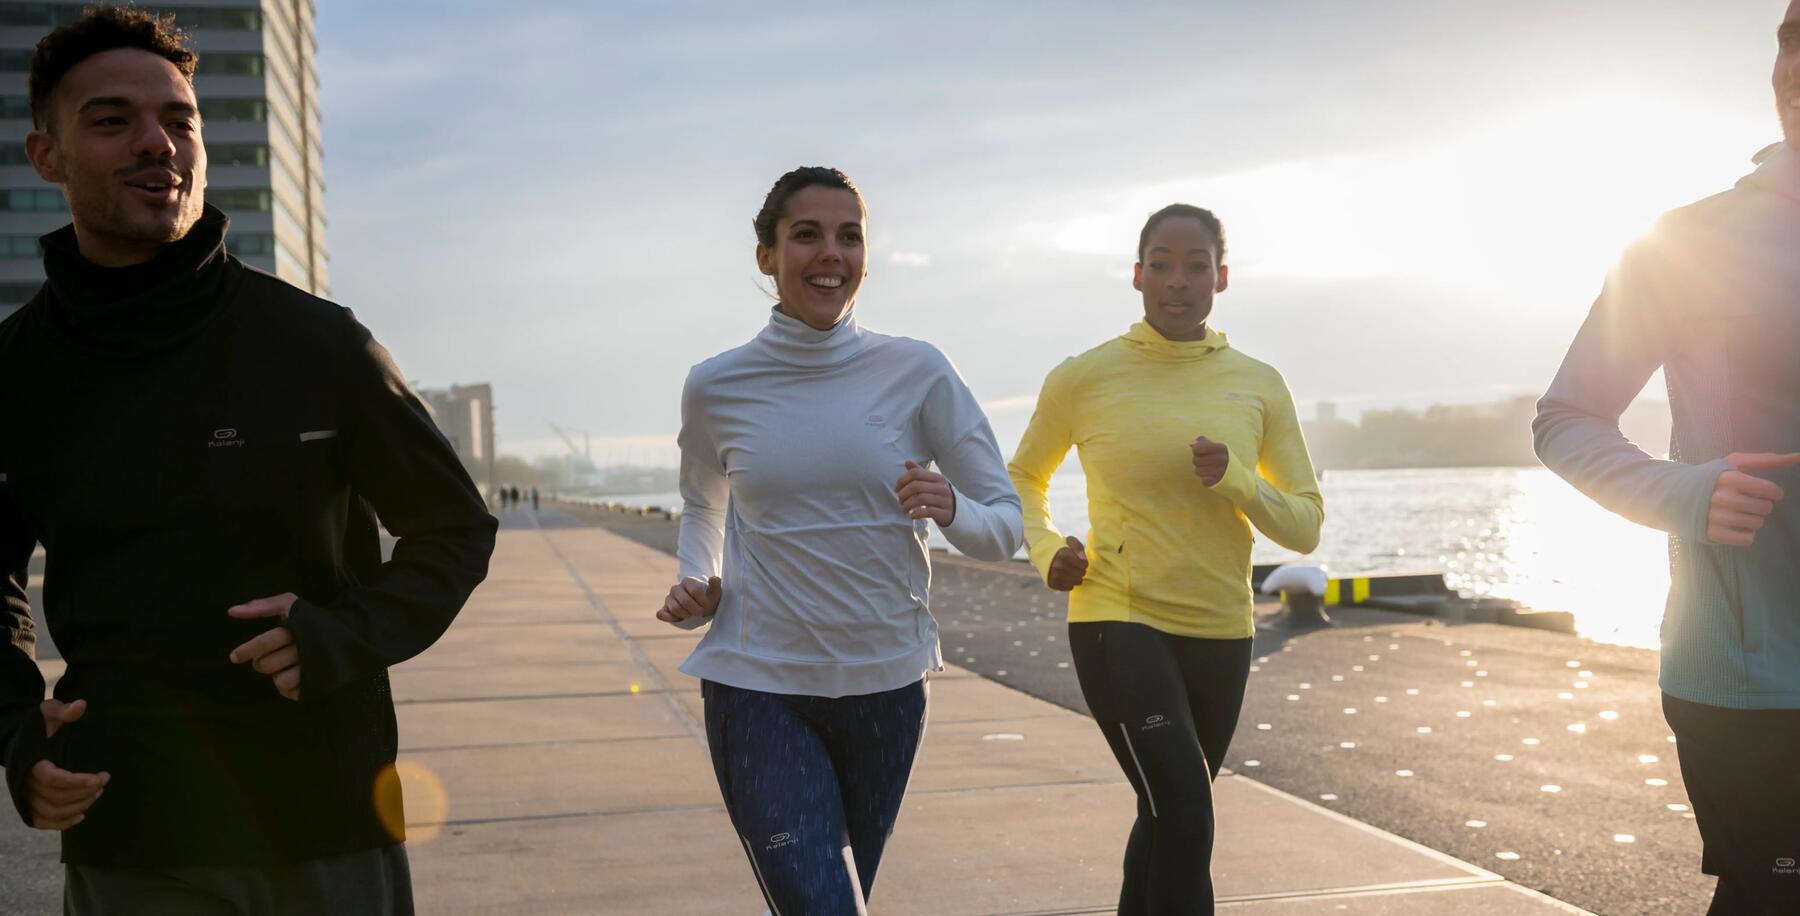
<point>1541,201</point>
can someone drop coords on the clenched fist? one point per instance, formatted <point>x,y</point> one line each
<point>1210,460</point>
<point>1069,566</point>
<point>1741,502</point>
<point>56,798</point>
<point>691,598</point>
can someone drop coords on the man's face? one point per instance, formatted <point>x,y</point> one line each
<point>124,143</point>
<point>1787,75</point>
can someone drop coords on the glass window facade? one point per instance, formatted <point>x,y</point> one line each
<point>39,14</point>
<point>13,247</point>
<point>46,15</point>
<point>251,245</point>
<point>236,19</point>
<point>234,154</point>
<point>230,110</point>
<point>250,199</point>
<point>35,200</point>
<point>231,64</point>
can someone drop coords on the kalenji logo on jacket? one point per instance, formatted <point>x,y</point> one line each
<point>225,437</point>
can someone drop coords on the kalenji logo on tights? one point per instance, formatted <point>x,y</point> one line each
<point>1157,721</point>
<point>779,840</point>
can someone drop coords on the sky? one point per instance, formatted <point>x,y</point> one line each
<point>1421,197</point>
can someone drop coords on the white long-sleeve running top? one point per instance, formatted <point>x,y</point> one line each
<point>790,448</point>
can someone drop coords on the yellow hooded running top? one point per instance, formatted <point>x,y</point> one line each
<point>1165,549</point>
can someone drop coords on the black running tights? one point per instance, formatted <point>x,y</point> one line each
<point>1167,705</point>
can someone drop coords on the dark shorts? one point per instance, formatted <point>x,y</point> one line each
<point>1742,769</point>
<point>375,882</point>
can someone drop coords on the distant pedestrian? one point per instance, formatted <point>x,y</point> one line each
<point>515,497</point>
<point>1187,444</point>
<point>223,737</point>
<point>806,459</point>
<point>534,499</point>
<point>1712,297</point>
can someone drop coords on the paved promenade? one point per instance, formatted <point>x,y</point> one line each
<point>575,780</point>
<point>554,764</point>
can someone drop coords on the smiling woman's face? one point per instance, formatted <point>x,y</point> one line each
<point>819,256</point>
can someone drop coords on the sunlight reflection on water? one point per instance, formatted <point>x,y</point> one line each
<point>1518,533</point>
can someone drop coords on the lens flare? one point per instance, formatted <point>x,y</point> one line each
<point>430,802</point>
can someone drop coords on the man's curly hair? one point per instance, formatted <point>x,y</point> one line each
<point>103,28</point>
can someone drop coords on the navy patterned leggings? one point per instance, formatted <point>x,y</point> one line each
<point>813,786</point>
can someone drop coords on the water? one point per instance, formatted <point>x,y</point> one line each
<point>670,501</point>
<point>1518,533</point>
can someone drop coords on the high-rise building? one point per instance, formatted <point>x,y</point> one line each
<point>258,87</point>
<point>465,415</point>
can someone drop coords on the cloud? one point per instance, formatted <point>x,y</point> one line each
<point>1541,198</point>
<point>910,259</point>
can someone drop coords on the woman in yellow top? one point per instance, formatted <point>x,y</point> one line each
<point>1187,444</point>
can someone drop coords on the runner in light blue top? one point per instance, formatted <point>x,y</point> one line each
<point>1712,296</point>
<point>807,478</point>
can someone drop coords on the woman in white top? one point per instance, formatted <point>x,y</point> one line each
<point>807,477</point>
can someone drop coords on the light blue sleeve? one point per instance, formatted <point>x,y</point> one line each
<point>1627,336</point>
<point>705,492</point>
<point>988,524</point>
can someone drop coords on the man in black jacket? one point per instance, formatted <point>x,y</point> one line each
<point>203,451</point>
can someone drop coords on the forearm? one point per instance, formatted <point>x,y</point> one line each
<point>987,523</point>
<point>1588,450</point>
<point>405,608</point>
<point>1041,451</point>
<point>700,541</point>
<point>1291,519</point>
<point>986,530</point>
<point>1576,432</point>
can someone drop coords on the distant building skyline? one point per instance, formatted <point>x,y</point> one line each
<point>258,84</point>
<point>465,415</point>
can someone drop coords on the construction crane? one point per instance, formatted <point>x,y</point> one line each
<point>580,462</point>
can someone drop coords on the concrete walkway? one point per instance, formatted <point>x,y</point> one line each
<point>554,763</point>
